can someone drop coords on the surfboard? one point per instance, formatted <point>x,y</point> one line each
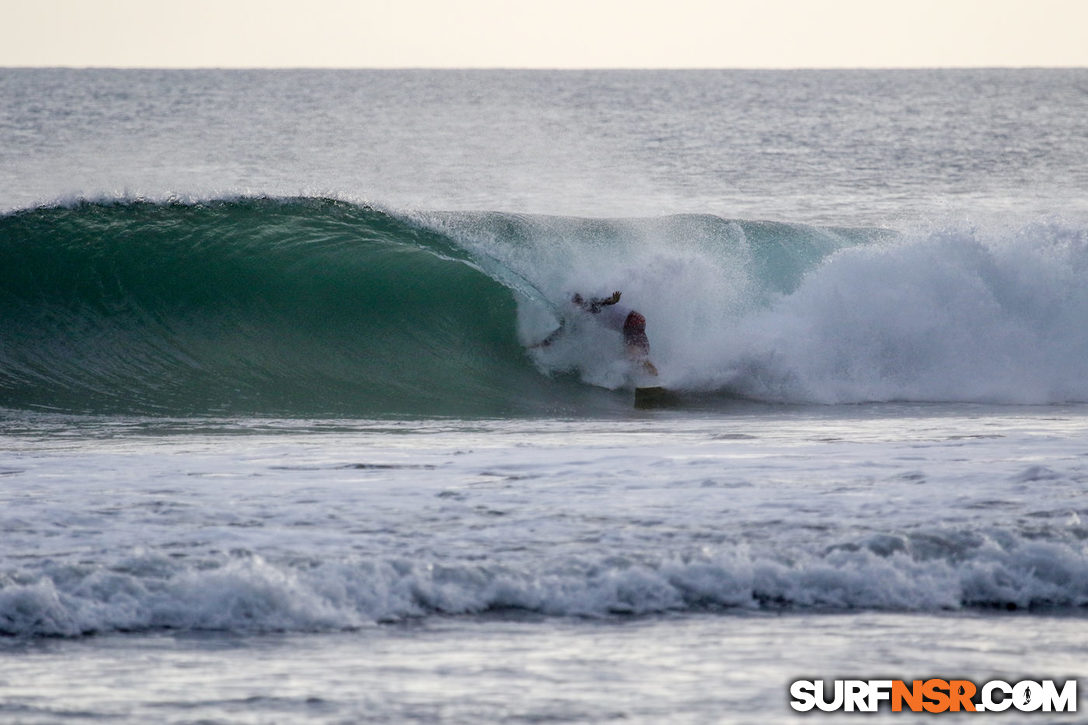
<point>655,397</point>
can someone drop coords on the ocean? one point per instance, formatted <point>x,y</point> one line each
<point>279,441</point>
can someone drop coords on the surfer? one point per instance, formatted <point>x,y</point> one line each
<point>617,317</point>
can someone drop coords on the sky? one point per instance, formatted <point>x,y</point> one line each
<point>544,33</point>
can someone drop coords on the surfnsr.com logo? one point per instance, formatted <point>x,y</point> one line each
<point>933,695</point>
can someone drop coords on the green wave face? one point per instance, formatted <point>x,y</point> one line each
<point>303,307</point>
<point>314,307</point>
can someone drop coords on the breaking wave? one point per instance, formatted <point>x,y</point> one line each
<point>243,592</point>
<point>317,307</point>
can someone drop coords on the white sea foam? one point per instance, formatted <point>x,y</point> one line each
<point>126,529</point>
<point>953,315</point>
<point>250,593</point>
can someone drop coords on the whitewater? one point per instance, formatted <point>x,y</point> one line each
<point>277,442</point>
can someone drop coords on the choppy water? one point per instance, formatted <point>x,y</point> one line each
<point>275,447</point>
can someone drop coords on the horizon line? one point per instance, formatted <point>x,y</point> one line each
<point>541,67</point>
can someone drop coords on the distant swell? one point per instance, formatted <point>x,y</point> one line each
<point>315,307</point>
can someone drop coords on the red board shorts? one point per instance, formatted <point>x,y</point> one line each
<point>634,333</point>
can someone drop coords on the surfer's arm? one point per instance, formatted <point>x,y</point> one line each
<point>597,303</point>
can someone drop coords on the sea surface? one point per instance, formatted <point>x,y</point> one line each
<point>278,442</point>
